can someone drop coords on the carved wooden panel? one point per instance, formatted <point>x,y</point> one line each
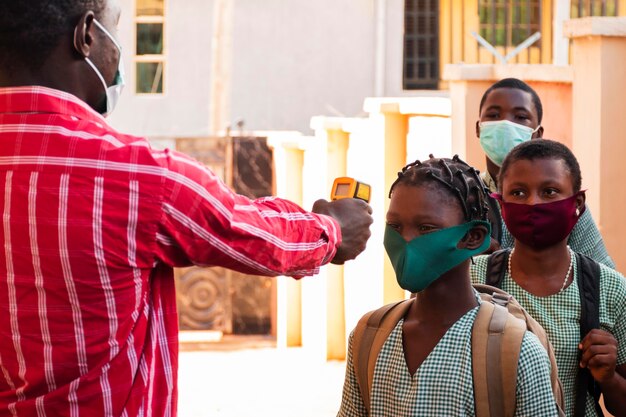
<point>203,296</point>
<point>216,298</point>
<point>252,295</point>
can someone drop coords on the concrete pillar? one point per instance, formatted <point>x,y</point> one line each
<point>390,119</point>
<point>221,65</point>
<point>468,83</point>
<point>288,161</point>
<point>599,139</point>
<point>560,43</point>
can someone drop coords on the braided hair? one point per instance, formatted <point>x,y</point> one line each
<point>453,177</point>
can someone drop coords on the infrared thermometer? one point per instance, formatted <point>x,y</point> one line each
<point>346,187</point>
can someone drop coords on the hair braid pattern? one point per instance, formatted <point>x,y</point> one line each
<point>453,177</point>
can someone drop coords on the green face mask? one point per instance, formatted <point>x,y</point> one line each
<point>421,261</point>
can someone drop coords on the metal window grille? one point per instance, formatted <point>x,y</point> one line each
<point>421,45</point>
<point>509,22</point>
<point>584,8</point>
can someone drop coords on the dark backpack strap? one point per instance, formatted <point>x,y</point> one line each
<point>589,289</point>
<point>497,264</point>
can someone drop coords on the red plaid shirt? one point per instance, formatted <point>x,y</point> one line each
<point>93,222</point>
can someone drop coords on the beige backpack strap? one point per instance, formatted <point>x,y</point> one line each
<point>490,295</point>
<point>496,343</point>
<point>557,388</point>
<point>369,336</point>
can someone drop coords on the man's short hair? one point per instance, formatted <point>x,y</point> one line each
<point>518,85</point>
<point>30,29</point>
<point>543,149</point>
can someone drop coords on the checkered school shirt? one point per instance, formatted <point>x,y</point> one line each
<point>443,385</point>
<point>93,222</point>
<point>585,237</point>
<point>559,315</point>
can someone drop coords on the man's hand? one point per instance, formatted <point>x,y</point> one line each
<point>354,217</point>
<point>599,354</point>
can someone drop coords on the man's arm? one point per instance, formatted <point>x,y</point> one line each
<point>205,223</point>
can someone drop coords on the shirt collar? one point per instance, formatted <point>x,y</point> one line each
<point>37,99</point>
<point>489,182</point>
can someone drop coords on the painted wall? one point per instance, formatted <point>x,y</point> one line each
<point>599,139</point>
<point>290,59</point>
<point>184,107</point>
<point>296,58</point>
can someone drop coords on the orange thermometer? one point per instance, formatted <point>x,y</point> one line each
<point>346,187</point>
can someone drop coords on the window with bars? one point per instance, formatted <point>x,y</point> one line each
<point>421,45</point>
<point>509,22</point>
<point>584,8</point>
<point>149,48</point>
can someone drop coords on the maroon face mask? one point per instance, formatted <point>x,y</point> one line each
<point>541,225</point>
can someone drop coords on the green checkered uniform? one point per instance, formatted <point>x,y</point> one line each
<point>443,384</point>
<point>559,315</point>
<point>585,238</point>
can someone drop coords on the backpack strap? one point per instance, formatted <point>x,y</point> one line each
<point>497,264</point>
<point>370,334</point>
<point>589,289</point>
<point>499,297</point>
<point>496,343</point>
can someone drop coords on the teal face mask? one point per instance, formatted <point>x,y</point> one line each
<point>421,261</point>
<point>499,137</point>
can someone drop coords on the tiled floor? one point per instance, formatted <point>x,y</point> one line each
<point>257,380</point>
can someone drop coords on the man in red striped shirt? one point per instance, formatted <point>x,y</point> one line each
<point>93,221</point>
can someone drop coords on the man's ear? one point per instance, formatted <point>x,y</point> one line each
<point>539,133</point>
<point>478,128</point>
<point>83,34</point>
<point>474,238</point>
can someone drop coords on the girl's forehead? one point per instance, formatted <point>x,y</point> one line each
<point>422,199</point>
<point>538,169</point>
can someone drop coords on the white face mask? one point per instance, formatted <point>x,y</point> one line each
<point>114,91</point>
<point>497,138</point>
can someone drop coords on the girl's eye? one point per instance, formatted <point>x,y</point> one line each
<point>393,226</point>
<point>517,193</point>
<point>425,228</point>
<point>551,192</point>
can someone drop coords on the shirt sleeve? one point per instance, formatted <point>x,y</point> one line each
<point>534,392</point>
<point>613,308</point>
<point>586,239</point>
<point>205,223</point>
<point>351,400</point>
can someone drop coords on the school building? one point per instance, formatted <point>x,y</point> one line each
<point>305,91</point>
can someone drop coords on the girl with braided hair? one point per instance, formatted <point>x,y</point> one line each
<point>436,222</point>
